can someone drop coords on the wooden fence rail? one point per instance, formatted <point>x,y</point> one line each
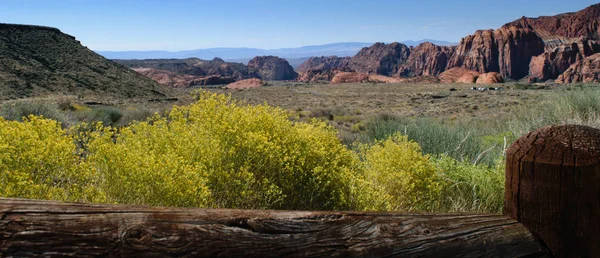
<point>552,205</point>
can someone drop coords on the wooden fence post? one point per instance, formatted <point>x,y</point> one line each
<point>553,188</point>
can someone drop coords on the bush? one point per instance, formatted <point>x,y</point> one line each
<point>39,160</point>
<point>406,176</point>
<point>225,154</point>
<point>106,115</point>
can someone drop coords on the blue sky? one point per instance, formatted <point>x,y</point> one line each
<point>186,24</point>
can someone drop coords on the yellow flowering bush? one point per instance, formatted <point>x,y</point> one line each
<point>221,153</point>
<point>39,160</point>
<point>407,178</point>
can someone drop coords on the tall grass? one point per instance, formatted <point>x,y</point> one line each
<point>461,141</point>
<point>574,105</point>
<point>70,114</point>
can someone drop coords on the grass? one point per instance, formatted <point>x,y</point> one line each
<point>72,113</point>
<point>437,137</point>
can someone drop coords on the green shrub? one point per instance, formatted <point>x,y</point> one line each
<point>105,114</point>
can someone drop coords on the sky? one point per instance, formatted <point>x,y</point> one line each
<point>123,25</point>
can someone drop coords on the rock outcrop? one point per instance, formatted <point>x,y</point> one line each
<point>193,66</point>
<point>459,74</point>
<point>384,59</point>
<point>318,75</point>
<point>490,78</point>
<point>352,77</point>
<point>176,80</point>
<point>528,46</point>
<point>349,77</point>
<point>559,29</point>
<point>507,51</point>
<point>246,84</point>
<point>272,68</point>
<point>551,64</point>
<point>383,79</point>
<point>426,59</point>
<point>324,64</point>
<point>586,70</point>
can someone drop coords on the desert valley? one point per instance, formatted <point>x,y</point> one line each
<point>380,127</point>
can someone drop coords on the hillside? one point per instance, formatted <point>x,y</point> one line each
<point>39,61</point>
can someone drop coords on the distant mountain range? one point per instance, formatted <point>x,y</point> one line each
<point>242,55</point>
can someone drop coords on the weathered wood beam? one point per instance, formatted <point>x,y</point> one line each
<point>47,228</point>
<point>553,188</point>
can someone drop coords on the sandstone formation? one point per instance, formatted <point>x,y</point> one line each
<point>176,80</point>
<point>324,63</point>
<point>470,77</point>
<point>559,29</point>
<point>490,78</point>
<point>318,75</point>
<point>426,59</point>
<point>384,59</point>
<point>538,48</point>
<point>383,79</point>
<point>349,77</point>
<point>507,51</point>
<point>514,50</point>
<point>246,84</point>
<point>459,74</point>
<point>586,70</point>
<point>551,64</point>
<point>193,66</point>
<point>272,68</point>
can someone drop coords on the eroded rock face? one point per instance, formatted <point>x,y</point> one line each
<point>349,77</point>
<point>557,30</point>
<point>324,63</point>
<point>176,80</point>
<point>539,48</point>
<point>551,64</point>
<point>490,78</point>
<point>272,68</point>
<point>426,59</point>
<point>384,59</point>
<point>193,66</point>
<point>318,75</point>
<point>246,84</point>
<point>459,74</point>
<point>586,70</point>
<point>507,51</point>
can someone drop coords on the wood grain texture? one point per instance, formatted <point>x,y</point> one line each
<point>46,228</point>
<point>553,188</point>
